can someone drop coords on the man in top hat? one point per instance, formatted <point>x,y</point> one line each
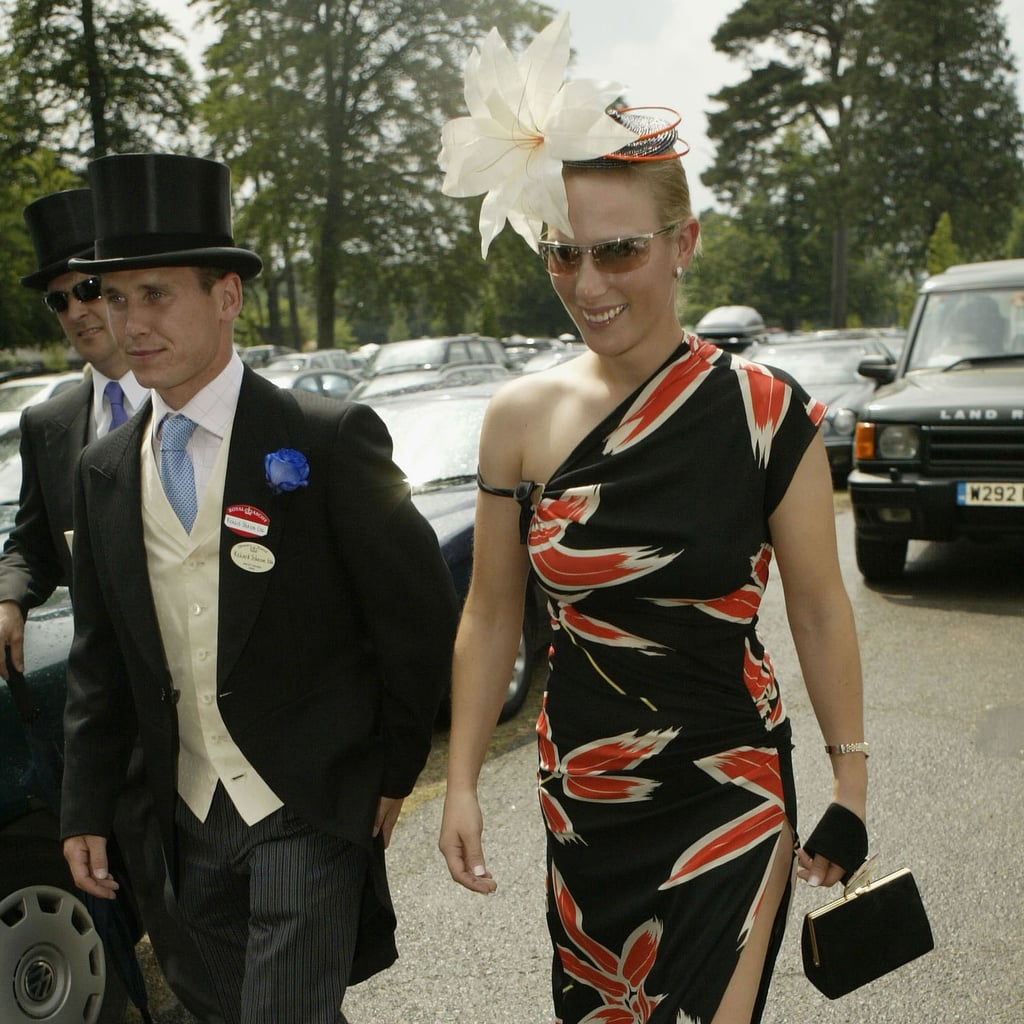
<point>257,594</point>
<point>37,558</point>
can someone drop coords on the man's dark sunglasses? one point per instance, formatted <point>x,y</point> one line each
<point>88,290</point>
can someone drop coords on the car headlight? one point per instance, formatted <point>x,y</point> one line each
<point>844,421</point>
<point>897,441</point>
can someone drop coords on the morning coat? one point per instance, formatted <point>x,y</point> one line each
<point>330,666</point>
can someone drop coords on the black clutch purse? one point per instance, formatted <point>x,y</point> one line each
<point>871,930</point>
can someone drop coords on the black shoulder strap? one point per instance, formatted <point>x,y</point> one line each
<point>522,493</point>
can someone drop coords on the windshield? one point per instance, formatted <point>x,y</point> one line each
<point>968,325</point>
<point>435,440</point>
<point>14,396</point>
<point>828,363</point>
<point>10,467</point>
<point>404,355</point>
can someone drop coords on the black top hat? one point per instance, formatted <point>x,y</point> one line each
<point>163,210</point>
<point>60,226</point>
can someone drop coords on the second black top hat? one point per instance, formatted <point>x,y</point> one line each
<point>60,226</point>
<point>163,210</point>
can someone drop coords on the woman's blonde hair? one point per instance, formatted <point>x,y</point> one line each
<point>665,179</point>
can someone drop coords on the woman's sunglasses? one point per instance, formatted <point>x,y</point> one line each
<point>88,290</point>
<point>616,256</point>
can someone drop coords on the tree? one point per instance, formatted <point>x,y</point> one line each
<point>906,110</point>
<point>804,77</point>
<point>91,77</point>
<point>942,250</point>
<point>946,134</point>
<point>334,108</point>
<point>24,322</point>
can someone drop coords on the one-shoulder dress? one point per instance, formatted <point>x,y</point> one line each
<point>664,750</point>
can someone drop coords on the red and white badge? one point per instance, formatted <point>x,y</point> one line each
<point>246,521</point>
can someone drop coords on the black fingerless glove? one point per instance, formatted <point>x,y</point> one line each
<point>840,837</point>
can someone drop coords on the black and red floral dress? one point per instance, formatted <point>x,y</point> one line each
<point>665,777</point>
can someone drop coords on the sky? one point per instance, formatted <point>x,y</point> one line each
<point>661,51</point>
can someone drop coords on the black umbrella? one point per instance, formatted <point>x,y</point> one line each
<point>115,920</point>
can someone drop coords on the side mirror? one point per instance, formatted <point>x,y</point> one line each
<point>879,368</point>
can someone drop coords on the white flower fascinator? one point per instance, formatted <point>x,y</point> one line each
<point>525,121</point>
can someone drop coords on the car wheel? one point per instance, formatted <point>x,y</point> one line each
<point>52,962</point>
<point>880,561</point>
<point>522,674</point>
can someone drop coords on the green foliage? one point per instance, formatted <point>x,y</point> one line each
<point>330,114</point>
<point>1014,248</point>
<point>24,321</point>
<point>946,133</point>
<point>96,76</point>
<point>942,250</point>
<point>859,124</point>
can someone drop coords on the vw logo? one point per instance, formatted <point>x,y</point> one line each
<point>39,981</point>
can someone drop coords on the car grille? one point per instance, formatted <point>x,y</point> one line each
<point>976,449</point>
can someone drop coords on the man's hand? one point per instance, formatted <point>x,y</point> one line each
<point>388,811</point>
<point>12,636</point>
<point>87,858</point>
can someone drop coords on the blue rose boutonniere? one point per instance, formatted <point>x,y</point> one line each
<point>287,470</point>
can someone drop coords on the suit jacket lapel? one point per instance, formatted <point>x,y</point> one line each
<point>65,433</point>
<point>266,419</point>
<point>116,488</point>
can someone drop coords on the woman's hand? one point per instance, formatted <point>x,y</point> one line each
<point>460,842</point>
<point>818,870</point>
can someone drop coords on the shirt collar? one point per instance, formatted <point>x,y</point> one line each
<point>134,393</point>
<point>213,408</point>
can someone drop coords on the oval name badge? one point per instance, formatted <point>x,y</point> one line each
<point>246,521</point>
<point>252,557</point>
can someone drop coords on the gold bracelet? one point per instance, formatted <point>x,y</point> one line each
<point>847,748</point>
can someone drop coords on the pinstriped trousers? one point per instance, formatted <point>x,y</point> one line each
<point>274,911</point>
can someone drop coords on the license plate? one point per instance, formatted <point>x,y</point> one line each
<point>990,494</point>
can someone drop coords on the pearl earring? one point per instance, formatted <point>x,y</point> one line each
<point>679,272</point>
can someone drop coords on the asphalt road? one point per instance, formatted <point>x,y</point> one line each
<point>945,713</point>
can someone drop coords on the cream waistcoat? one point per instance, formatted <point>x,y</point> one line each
<point>184,577</point>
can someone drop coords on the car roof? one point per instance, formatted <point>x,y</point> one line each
<point>482,389</point>
<point>731,318</point>
<point>762,353</point>
<point>969,276</point>
<point>41,379</point>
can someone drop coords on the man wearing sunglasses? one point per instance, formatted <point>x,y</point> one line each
<point>37,557</point>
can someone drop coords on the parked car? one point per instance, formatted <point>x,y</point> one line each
<point>53,966</point>
<point>560,352</point>
<point>329,383</point>
<point>436,434</point>
<point>405,381</point>
<point>260,355</point>
<point>735,328</point>
<point>322,359</point>
<point>20,392</point>
<point>829,370</point>
<point>939,451</point>
<point>893,338</point>
<point>519,350</point>
<point>431,353</point>
<point>52,963</point>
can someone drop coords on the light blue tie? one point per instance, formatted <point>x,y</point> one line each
<point>115,396</point>
<point>176,468</point>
